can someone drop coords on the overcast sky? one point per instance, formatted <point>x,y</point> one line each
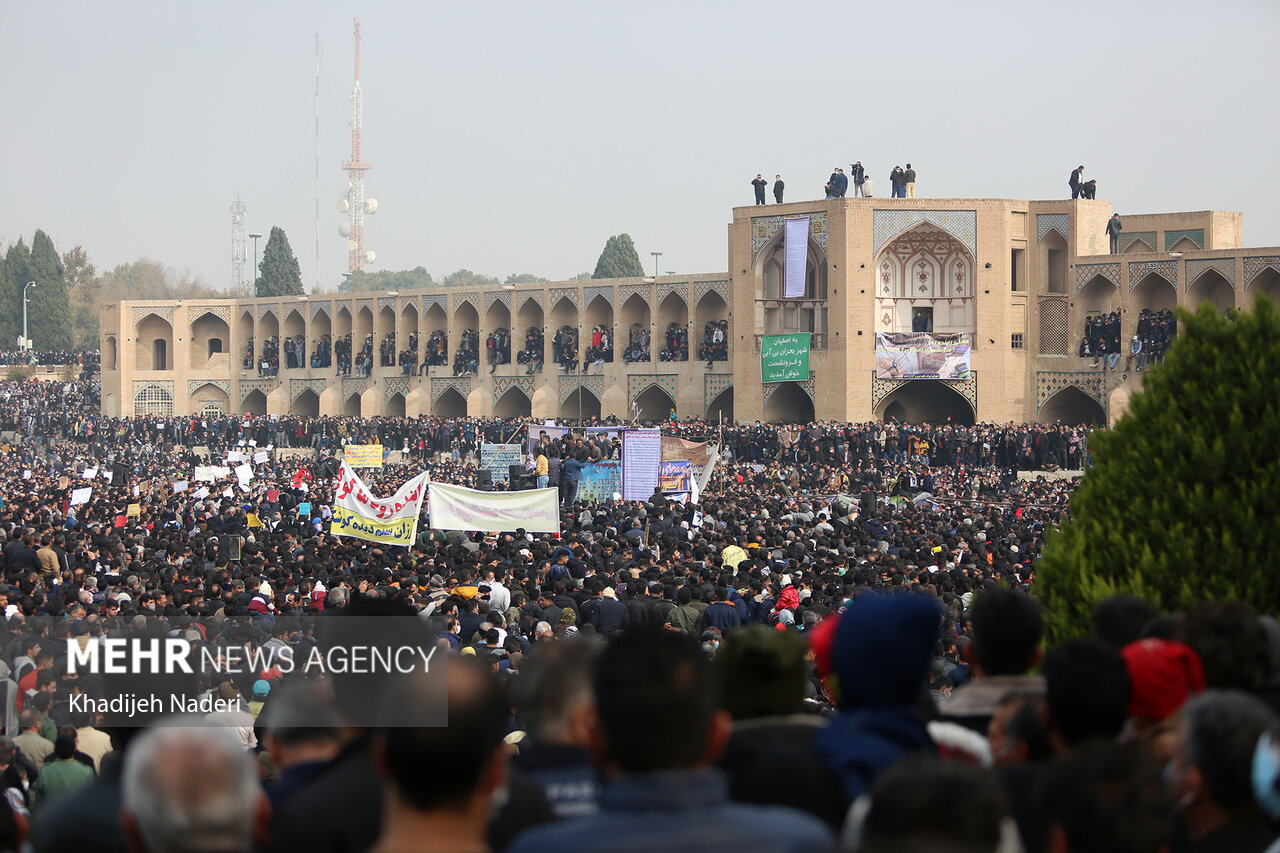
<point>516,137</point>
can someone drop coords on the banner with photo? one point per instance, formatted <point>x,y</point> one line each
<point>390,521</point>
<point>498,458</point>
<point>363,455</point>
<point>922,355</point>
<point>600,480</point>
<point>460,508</point>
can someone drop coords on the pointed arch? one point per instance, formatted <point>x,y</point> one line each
<point>1098,296</point>
<point>1137,246</point>
<point>343,322</point>
<point>926,401</point>
<point>210,343</point>
<point>153,343</point>
<point>513,403</point>
<point>582,404</point>
<point>1265,283</point>
<point>926,271</point>
<point>721,407</point>
<point>351,405</point>
<point>109,353</point>
<point>207,396</point>
<point>1155,293</point>
<point>653,404</point>
<point>295,325</point>
<point>564,313</point>
<point>1072,407</point>
<point>306,405</point>
<point>789,403</point>
<point>1184,244</point>
<point>395,406</point>
<point>1211,286</point>
<point>255,403</point>
<point>599,312</point>
<point>450,404</point>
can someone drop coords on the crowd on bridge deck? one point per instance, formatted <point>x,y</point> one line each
<point>835,642</point>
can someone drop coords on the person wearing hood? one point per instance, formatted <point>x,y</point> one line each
<point>875,660</point>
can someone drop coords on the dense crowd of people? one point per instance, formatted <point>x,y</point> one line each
<point>715,342</point>
<point>1153,335</point>
<point>834,645</point>
<point>50,358</point>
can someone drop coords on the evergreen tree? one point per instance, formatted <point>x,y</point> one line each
<point>279,273</point>
<point>49,310</point>
<point>84,289</point>
<point>619,259</point>
<point>1181,505</point>
<point>17,272</point>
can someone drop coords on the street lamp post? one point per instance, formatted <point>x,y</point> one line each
<point>26,343</point>
<point>656,255</point>
<point>255,262</point>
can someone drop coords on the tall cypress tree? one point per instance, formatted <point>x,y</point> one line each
<point>619,259</point>
<point>49,309</point>
<point>17,268</point>
<point>279,274</point>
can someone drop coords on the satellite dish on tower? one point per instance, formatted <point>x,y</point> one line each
<point>370,257</point>
<point>344,230</point>
<point>351,245</point>
<point>370,205</point>
<point>343,205</point>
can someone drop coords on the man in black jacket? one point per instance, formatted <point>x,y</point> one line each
<point>778,187</point>
<point>759,183</point>
<point>1076,181</point>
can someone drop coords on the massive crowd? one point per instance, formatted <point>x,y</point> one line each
<point>50,358</point>
<point>834,646</point>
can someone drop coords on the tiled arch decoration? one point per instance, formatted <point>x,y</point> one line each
<point>266,386</point>
<point>967,388</point>
<point>386,302</point>
<point>360,305</point>
<point>590,293</point>
<point>1050,382</point>
<point>439,301</point>
<point>1225,267</point>
<point>503,384</point>
<point>440,384</point>
<point>492,296</point>
<point>810,387</point>
<point>195,312</point>
<point>702,288</point>
<point>637,385</point>
<point>961,224</point>
<point>353,385</point>
<point>1046,222</point>
<point>1254,266</point>
<point>626,291</point>
<point>764,228</point>
<point>140,312</point>
<point>1086,273</point>
<point>569,384</point>
<point>1138,270</point>
<point>264,310</point>
<point>394,385</point>
<point>570,293</point>
<point>456,300</point>
<point>297,386</point>
<point>678,287</point>
<point>223,385</point>
<point>713,385</point>
<point>321,305</point>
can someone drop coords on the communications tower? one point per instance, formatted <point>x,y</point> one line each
<point>239,246</point>
<point>355,205</point>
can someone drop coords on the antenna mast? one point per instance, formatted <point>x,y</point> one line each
<point>239,246</point>
<point>355,205</point>
<point>319,49</point>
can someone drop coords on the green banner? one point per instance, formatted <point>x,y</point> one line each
<point>785,358</point>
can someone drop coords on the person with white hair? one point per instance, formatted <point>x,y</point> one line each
<point>191,788</point>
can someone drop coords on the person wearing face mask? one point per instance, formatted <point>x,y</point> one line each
<point>1211,774</point>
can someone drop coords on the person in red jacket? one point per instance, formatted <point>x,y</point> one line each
<point>788,598</point>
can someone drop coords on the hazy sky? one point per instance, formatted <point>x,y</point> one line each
<point>516,137</point>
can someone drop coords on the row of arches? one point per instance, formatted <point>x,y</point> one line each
<point>209,345</point>
<point>1156,293</point>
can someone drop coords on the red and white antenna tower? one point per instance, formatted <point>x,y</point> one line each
<point>355,205</point>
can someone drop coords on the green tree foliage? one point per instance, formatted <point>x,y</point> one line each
<point>1182,503</point>
<point>619,259</point>
<point>49,309</point>
<point>146,278</point>
<point>467,278</point>
<point>523,278</point>
<point>17,272</point>
<point>582,276</point>
<point>278,274</point>
<point>361,281</point>
<point>83,289</point>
